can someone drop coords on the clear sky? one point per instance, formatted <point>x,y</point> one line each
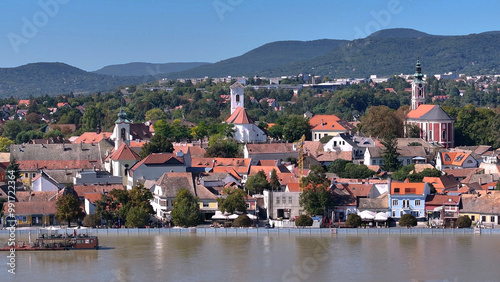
<point>90,34</point>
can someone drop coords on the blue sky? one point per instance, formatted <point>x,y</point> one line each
<point>90,34</point>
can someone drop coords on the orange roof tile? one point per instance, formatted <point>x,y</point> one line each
<point>399,188</point>
<point>239,116</point>
<point>124,153</point>
<point>293,187</point>
<point>92,137</point>
<point>420,111</point>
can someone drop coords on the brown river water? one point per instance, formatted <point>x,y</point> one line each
<point>211,257</point>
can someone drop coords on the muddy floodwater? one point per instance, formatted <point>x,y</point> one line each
<point>215,257</point>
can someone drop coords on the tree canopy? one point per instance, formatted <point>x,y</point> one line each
<point>233,199</point>
<point>186,210</point>
<point>69,208</point>
<point>257,183</point>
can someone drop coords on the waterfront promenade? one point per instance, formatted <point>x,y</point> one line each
<point>264,231</point>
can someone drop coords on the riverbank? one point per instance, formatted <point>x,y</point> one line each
<point>262,231</point>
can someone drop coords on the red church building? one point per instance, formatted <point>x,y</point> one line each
<point>434,123</point>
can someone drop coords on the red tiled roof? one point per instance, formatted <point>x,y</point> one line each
<point>195,151</point>
<point>93,197</point>
<point>399,188</point>
<point>239,116</point>
<point>454,158</point>
<point>124,153</point>
<point>28,208</point>
<point>25,102</point>
<point>293,187</point>
<point>420,111</point>
<point>328,122</point>
<point>439,200</point>
<point>156,159</point>
<point>92,137</point>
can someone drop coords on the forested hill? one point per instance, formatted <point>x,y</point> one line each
<point>38,79</point>
<point>384,53</point>
<point>264,59</point>
<point>147,69</point>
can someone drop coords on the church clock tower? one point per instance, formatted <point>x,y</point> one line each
<point>417,88</point>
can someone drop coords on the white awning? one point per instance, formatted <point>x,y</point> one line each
<point>367,215</point>
<point>438,209</point>
<point>382,216</point>
<point>251,216</point>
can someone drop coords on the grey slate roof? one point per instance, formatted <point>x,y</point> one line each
<point>80,151</point>
<point>172,182</point>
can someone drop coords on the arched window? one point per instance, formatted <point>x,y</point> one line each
<point>237,98</point>
<point>123,134</point>
<point>444,134</point>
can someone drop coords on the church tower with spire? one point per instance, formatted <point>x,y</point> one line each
<point>417,88</point>
<point>430,122</point>
<point>121,132</point>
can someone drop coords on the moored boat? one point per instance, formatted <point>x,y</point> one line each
<point>54,240</point>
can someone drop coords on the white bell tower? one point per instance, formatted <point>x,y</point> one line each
<point>237,96</point>
<point>121,132</point>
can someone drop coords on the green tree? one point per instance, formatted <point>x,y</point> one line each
<point>408,220</point>
<point>186,210</point>
<point>106,209</point>
<point>381,121</point>
<point>5,144</point>
<point>274,181</point>
<point>69,208</point>
<point>304,220</point>
<point>222,147</point>
<point>155,114</point>
<point>91,119</point>
<point>91,220</point>
<point>464,221</point>
<point>316,200</point>
<point>337,166</point>
<point>390,153</point>
<point>295,127</point>
<point>11,128</point>
<point>157,144</point>
<point>137,217</point>
<point>233,200</point>
<point>256,184</point>
<point>356,171</point>
<point>428,172</point>
<point>353,220</point>
<point>325,139</point>
<point>403,173</point>
<point>243,221</point>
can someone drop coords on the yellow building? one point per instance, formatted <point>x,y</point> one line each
<point>482,207</point>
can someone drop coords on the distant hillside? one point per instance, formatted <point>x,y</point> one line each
<point>146,69</point>
<point>385,56</point>
<point>384,53</point>
<point>56,78</point>
<point>264,58</point>
<point>399,33</point>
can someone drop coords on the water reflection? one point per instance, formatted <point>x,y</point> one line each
<point>196,257</point>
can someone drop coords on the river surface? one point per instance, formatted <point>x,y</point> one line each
<point>200,257</point>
